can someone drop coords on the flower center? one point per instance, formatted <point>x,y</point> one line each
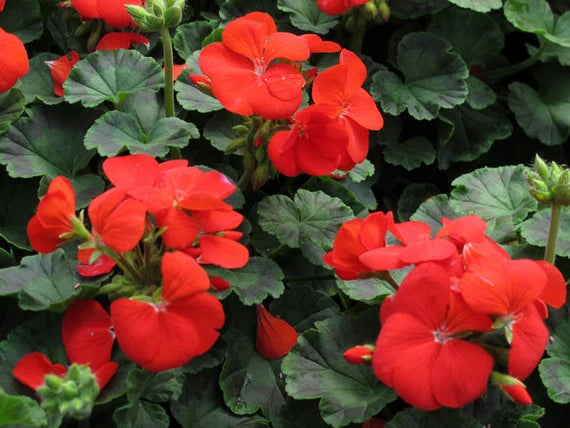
<point>259,64</point>
<point>441,335</point>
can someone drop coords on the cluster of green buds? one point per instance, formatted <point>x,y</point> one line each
<point>549,185</point>
<point>157,15</point>
<point>374,10</point>
<point>72,396</point>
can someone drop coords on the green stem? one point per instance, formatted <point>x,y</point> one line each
<point>550,253</point>
<point>168,65</point>
<point>123,264</point>
<point>357,38</point>
<point>343,300</point>
<point>515,68</point>
<point>243,182</point>
<point>388,278</point>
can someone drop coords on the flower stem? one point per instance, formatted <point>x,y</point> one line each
<point>357,38</point>
<point>515,68</point>
<point>550,253</point>
<point>168,82</point>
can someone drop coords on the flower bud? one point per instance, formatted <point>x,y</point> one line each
<point>275,337</point>
<point>361,354</point>
<point>541,168</point>
<point>511,387</point>
<point>172,17</point>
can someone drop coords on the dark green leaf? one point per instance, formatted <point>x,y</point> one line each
<point>474,132</point>
<point>561,34</point>
<point>480,95</point>
<point>86,187</point>
<point>12,105</point>
<point>544,114</point>
<point>474,36</point>
<point>111,76</point>
<point>411,153</point>
<point>115,130</point>
<point>414,418</point>
<point>439,83</point>
<point>478,5</point>
<point>117,386</point>
<point>249,381</point>
<point>141,414</point>
<point>493,193</point>
<point>213,358</point>
<point>18,201</point>
<point>535,230</point>
<point>258,279</point>
<point>232,9</point>
<point>201,405</point>
<point>555,371</point>
<point>192,98</point>
<point>361,171</point>
<point>311,217</point>
<point>368,290</point>
<point>413,196</point>
<point>305,15</point>
<point>315,368</point>
<point>410,9</point>
<point>43,281</point>
<point>432,210</point>
<point>33,147</point>
<point>27,26</point>
<point>189,36</point>
<point>20,410</point>
<point>218,130</point>
<point>295,411</point>
<point>37,83</point>
<point>154,386</point>
<point>531,16</point>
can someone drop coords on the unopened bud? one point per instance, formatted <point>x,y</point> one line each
<point>513,388</point>
<point>369,11</point>
<point>236,144</point>
<point>136,12</point>
<point>240,130</point>
<point>541,168</point>
<point>260,176</point>
<point>172,17</point>
<point>384,9</point>
<point>564,177</point>
<point>361,354</point>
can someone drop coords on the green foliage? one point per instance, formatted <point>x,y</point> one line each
<point>555,371</point>
<point>305,15</point>
<point>20,410</point>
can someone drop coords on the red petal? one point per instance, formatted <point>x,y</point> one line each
<point>356,71</point>
<point>318,45</point>
<point>181,277</point>
<point>374,228</point>
<point>58,205</point>
<point>358,355</point>
<point>328,86</point>
<point>281,151</point>
<point>216,221</point>
<point>59,70</point>
<point>283,82</point>
<point>554,293</point>
<point>411,231</point>
<point>518,393</point>
<point>275,337</point>
<point>363,110</point>
<point>104,373</point>
<point>114,13</point>
<point>43,240</point>
<point>248,36</point>
<point>223,252</point>
<point>123,40</point>
<point>86,332</point>
<point>286,45</point>
<point>132,171</point>
<point>428,251</point>
<point>87,8</point>
<point>469,228</point>
<point>382,259</point>
<point>13,60</point>
<point>332,7</point>
<point>181,230</point>
<point>104,264</point>
<point>32,368</point>
<point>177,70</point>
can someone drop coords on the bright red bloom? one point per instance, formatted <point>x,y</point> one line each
<point>114,13</point>
<point>87,8</point>
<point>340,86</point>
<point>318,45</point>
<point>118,221</point>
<point>315,145</point>
<point>104,264</point>
<point>275,337</point>
<point>509,290</point>
<point>416,352</point>
<point>338,7</point>
<point>358,355</point>
<point>242,75</point>
<point>123,40</point>
<point>53,216</point>
<point>32,369</point>
<point>59,70</point>
<point>13,60</point>
<point>517,392</point>
<point>164,335</point>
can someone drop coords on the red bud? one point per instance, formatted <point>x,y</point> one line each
<point>275,337</point>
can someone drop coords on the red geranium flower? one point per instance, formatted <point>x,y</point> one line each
<point>417,352</point>
<point>164,335</point>
<point>275,337</point>
<point>318,45</point>
<point>114,13</point>
<point>13,60</point>
<point>59,70</point>
<point>53,217</point>
<point>2,4</point>
<point>87,8</point>
<point>123,40</point>
<point>243,76</point>
<point>338,7</point>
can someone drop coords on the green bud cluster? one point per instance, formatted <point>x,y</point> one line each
<point>157,15</point>
<point>72,396</point>
<point>549,185</point>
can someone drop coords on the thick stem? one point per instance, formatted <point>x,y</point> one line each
<point>515,68</point>
<point>357,38</point>
<point>168,65</point>
<point>550,253</point>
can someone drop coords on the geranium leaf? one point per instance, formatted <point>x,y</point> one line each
<point>531,16</point>
<point>232,9</point>
<point>213,358</point>
<point>473,133</point>
<point>141,414</point>
<point>311,217</point>
<point>261,277</point>
<point>411,9</point>
<point>365,290</point>
<point>439,83</point>
<point>555,371</point>
<point>305,15</point>
<point>12,104</point>
<point>201,405</point>
<point>117,386</point>
<point>414,418</point>
<point>189,36</point>
<point>492,193</point>
<point>478,5</point>
<point>480,94</point>
<point>28,150</point>
<point>413,195</point>
<point>18,202</point>
<point>315,368</point>
<point>111,76</point>
<point>432,210</point>
<point>561,34</point>
<point>218,130</point>
<point>154,386</point>
<point>249,381</point>
<point>27,26</point>
<point>43,281</point>
<point>116,130</point>
<point>475,36</point>
<point>544,114</point>
<point>19,409</point>
<point>411,153</point>
<point>361,171</point>
<point>38,83</point>
<point>535,230</point>
<point>191,98</point>
<point>552,52</point>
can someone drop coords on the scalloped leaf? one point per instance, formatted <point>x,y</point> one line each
<point>27,26</point>
<point>111,76</point>
<point>38,83</point>
<point>439,83</point>
<point>188,37</point>
<point>411,153</point>
<point>535,230</point>
<point>12,104</point>
<point>432,210</point>
<point>479,5</point>
<point>315,368</point>
<point>531,16</point>
<point>305,15</point>
<point>154,386</point>
<point>19,409</point>
<point>555,371</point>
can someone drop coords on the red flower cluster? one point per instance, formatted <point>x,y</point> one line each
<point>463,284</point>
<point>113,12</point>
